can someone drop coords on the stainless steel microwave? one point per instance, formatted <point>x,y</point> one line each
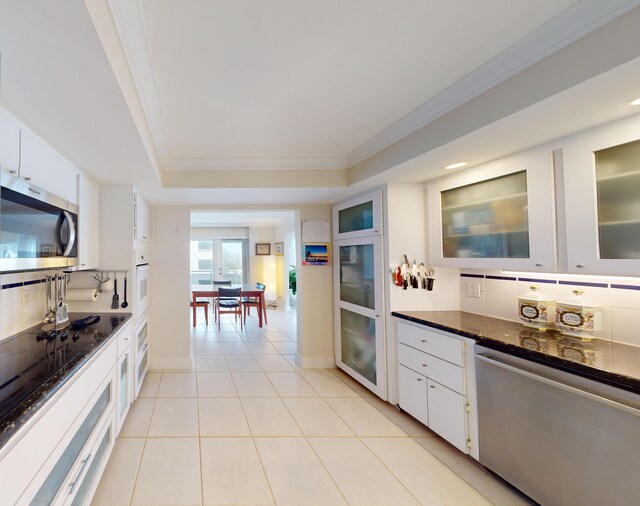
<point>38,230</point>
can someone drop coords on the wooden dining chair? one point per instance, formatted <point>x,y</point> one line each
<point>249,302</point>
<point>203,303</point>
<point>229,302</point>
<point>221,282</point>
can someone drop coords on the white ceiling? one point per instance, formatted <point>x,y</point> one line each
<point>248,84</point>
<point>240,218</point>
<point>233,86</point>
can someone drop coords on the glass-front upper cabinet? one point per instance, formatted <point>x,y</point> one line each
<point>499,215</point>
<point>602,200</point>
<point>358,217</point>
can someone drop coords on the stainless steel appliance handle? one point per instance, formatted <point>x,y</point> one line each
<point>561,386</point>
<point>75,482</point>
<point>72,233</point>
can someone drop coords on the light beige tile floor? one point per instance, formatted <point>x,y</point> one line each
<point>249,427</point>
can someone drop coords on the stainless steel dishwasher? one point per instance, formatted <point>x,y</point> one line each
<point>560,438</point>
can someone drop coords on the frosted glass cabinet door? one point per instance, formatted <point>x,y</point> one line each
<point>357,281</point>
<point>601,178</point>
<point>358,217</point>
<point>498,216</point>
<point>618,201</point>
<point>358,347</point>
<point>487,219</point>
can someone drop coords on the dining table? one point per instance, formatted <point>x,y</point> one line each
<point>211,292</point>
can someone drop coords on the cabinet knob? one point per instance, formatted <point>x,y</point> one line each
<point>13,172</point>
<point>432,386</point>
<point>423,340</point>
<point>538,265</point>
<point>424,365</point>
<point>27,178</point>
<point>580,266</point>
<point>419,379</point>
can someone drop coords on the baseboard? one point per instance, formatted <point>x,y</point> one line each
<point>315,362</point>
<point>182,363</point>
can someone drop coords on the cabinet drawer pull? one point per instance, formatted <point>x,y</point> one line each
<point>419,379</point>
<point>13,172</point>
<point>27,178</point>
<point>75,482</point>
<point>432,386</point>
<point>580,266</point>
<point>538,265</point>
<point>424,365</point>
<point>423,340</point>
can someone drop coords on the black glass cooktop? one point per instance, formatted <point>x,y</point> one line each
<point>29,359</point>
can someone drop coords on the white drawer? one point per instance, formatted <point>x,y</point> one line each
<point>446,348</point>
<point>124,338</point>
<point>434,368</point>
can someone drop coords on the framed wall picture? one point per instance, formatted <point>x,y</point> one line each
<point>279,248</point>
<point>315,253</point>
<point>263,248</point>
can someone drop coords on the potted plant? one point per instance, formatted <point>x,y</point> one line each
<point>293,285</point>
<point>292,280</point>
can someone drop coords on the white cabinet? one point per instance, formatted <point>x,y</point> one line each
<point>358,217</point>
<point>58,435</point>
<point>433,384</point>
<point>498,216</point>
<point>447,414</point>
<point>412,393</point>
<point>9,145</point>
<point>601,179</point>
<point>124,371</point>
<point>47,169</point>
<point>141,218</point>
<point>88,224</point>
<point>359,311</point>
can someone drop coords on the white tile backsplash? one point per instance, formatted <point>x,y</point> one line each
<point>499,297</point>
<point>21,306</point>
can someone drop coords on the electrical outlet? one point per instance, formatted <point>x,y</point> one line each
<point>473,290</point>
<point>26,297</point>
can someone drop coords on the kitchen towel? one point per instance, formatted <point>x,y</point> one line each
<point>82,295</point>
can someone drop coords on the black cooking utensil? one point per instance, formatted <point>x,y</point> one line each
<point>125,303</point>
<point>84,322</point>
<point>115,301</point>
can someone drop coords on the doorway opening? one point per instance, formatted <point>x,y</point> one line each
<point>246,249</point>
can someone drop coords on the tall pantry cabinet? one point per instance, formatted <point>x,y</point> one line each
<point>359,291</point>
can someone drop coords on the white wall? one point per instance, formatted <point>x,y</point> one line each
<point>404,215</point>
<point>169,289</point>
<point>259,235</point>
<point>219,233</point>
<point>282,267</point>
<point>314,300</point>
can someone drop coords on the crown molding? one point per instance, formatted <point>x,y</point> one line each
<point>575,22</point>
<point>257,163</point>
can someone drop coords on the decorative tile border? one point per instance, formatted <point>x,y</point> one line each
<point>537,280</point>
<point>479,276</point>
<point>22,283</point>
<point>502,278</point>
<point>584,283</point>
<point>626,287</point>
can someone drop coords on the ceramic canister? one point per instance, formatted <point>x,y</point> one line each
<point>536,310</point>
<point>576,317</point>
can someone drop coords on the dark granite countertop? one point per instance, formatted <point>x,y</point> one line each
<point>98,335</point>
<point>601,360</point>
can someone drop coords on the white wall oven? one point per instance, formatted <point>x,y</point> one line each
<point>142,283</point>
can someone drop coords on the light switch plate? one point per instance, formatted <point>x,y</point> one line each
<point>473,290</point>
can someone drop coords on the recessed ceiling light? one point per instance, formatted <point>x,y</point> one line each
<point>635,102</point>
<point>456,165</point>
